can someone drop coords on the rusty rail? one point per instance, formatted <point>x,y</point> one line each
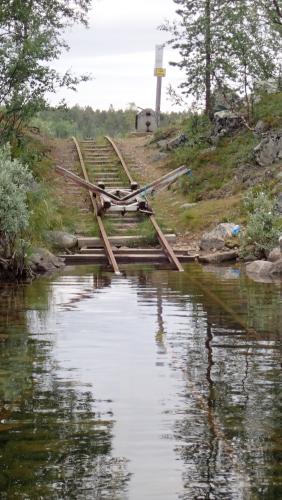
<point>103,234</point>
<point>168,250</point>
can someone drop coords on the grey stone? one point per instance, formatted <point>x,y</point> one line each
<point>261,127</point>
<point>43,261</point>
<point>159,156</point>
<point>270,86</point>
<point>162,144</point>
<point>177,141</point>
<point>277,268</point>
<point>269,150</point>
<point>188,205</point>
<point>275,255</point>
<point>225,122</point>
<point>261,267</point>
<point>215,239</point>
<point>61,239</point>
<point>218,257</point>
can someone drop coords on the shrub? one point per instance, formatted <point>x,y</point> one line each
<point>15,181</point>
<point>261,233</point>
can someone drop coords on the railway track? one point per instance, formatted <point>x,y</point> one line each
<point>120,210</point>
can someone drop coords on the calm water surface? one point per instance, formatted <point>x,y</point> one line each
<point>153,385</point>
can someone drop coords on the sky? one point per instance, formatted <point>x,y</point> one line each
<point>118,50</point>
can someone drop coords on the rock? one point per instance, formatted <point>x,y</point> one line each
<point>61,239</point>
<point>275,255</point>
<point>177,141</point>
<point>218,257</point>
<point>188,205</point>
<point>270,86</point>
<point>174,143</point>
<point>43,261</point>
<point>269,150</point>
<point>216,237</point>
<point>159,156</point>
<point>277,268</point>
<point>162,144</point>
<point>261,267</point>
<point>225,122</point>
<point>261,127</point>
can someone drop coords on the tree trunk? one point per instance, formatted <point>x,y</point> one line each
<point>208,109</point>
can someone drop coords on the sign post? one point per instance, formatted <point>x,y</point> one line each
<point>159,72</point>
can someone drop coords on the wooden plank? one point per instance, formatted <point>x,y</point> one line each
<point>117,240</point>
<point>104,236</point>
<point>98,258</point>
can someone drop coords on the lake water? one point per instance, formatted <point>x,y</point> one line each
<point>152,385</point>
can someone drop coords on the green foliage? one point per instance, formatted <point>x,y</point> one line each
<point>269,109</point>
<point>261,232</point>
<point>30,38</point>
<point>15,182</point>
<point>63,122</point>
<point>223,42</point>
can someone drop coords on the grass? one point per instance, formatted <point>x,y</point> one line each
<point>212,212</point>
<point>269,109</point>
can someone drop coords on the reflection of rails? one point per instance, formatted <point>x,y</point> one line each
<point>119,202</point>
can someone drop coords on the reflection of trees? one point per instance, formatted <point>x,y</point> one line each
<point>54,440</point>
<point>228,435</point>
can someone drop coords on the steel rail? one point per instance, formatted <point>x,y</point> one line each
<point>104,236</point>
<point>168,250</point>
<point>120,157</point>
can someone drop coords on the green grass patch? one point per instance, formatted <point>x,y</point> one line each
<point>212,212</point>
<point>269,109</point>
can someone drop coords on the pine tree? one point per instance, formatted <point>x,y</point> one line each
<point>222,42</point>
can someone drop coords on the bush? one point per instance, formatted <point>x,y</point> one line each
<point>15,181</point>
<point>261,233</point>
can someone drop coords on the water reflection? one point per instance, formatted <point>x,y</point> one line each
<point>154,385</point>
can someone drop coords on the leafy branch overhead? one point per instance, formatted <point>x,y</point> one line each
<point>225,43</point>
<point>30,39</point>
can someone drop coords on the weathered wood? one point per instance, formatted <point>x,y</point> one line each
<point>124,258</point>
<point>94,242</point>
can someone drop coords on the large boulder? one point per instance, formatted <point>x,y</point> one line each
<point>269,150</point>
<point>275,254</point>
<point>260,267</point>
<point>61,239</point>
<point>277,268</point>
<point>175,142</point>
<point>215,239</point>
<point>225,123</point>
<point>43,261</point>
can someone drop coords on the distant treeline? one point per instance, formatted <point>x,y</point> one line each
<point>63,122</point>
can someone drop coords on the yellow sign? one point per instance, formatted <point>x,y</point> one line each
<point>160,72</point>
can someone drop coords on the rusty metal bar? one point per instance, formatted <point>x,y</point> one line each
<point>120,157</point>
<point>154,186</point>
<point>159,184</point>
<point>104,236</point>
<point>85,184</point>
<point>168,250</point>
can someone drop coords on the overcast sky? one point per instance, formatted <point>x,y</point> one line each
<point>118,50</point>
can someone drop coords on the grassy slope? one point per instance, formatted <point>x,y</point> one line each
<point>220,175</point>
